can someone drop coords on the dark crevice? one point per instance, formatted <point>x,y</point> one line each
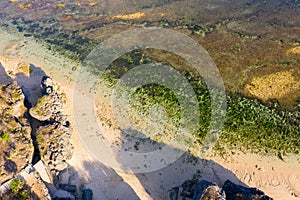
<point>34,124</point>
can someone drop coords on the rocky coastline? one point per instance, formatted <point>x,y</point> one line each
<point>32,131</point>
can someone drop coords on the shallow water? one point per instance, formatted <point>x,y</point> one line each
<point>246,39</point>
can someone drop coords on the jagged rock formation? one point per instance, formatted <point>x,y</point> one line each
<point>204,190</point>
<point>51,104</point>
<point>54,145</point>
<point>212,192</point>
<point>16,149</point>
<point>53,137</point>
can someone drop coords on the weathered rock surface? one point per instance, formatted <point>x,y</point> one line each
<point>213,193</point>
<point>208,191</point>
<point>16,149</point>
<point>54,145</point>
<point>54,136</point>
<point>51,104</point>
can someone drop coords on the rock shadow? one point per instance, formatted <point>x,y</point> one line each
<point>102,180</point>
<point>10,166</point>
<point>159,183</point>
<point>107,184</point>
<point>4,78</point>
<point>30,85</point>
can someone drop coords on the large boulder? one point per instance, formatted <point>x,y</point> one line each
<point>51,103</point>
<point>237,192</point>
<point>205,190</point>
<point>213,192</point>
<point>208,191</point>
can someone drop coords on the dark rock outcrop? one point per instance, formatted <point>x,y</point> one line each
<point>205,190</point>
<point>87,194</point>
<point>174,193</point>
<point>237,192</point>
<point>188,188</point>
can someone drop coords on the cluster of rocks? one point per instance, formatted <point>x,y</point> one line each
<point>16,149</point>
<point>54,146</point>
<point>205,190</point>
<point>53,137</point>
<point>67,191</point>
<point>50,105</point>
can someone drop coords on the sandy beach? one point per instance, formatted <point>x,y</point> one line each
<point>278,179</point>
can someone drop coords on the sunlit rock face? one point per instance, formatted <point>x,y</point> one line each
<point>15,140</point>
<point>53,138</point>
<point>50,104</point>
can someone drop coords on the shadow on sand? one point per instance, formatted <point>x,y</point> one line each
<point>106,183</point>
<point>30,85</point>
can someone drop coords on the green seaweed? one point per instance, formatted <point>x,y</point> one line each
<point>250,125</point>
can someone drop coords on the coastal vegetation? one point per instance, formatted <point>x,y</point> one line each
<point>18,190</point>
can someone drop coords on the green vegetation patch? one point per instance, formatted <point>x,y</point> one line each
<point>17,188</point>
<point>249,126</point>
<point>5,137</point>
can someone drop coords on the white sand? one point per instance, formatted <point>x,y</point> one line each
<point>280,180</point>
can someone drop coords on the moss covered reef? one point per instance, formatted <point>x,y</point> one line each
<point>276,86</point>
<point>250,124</point>
<point>245,42</point>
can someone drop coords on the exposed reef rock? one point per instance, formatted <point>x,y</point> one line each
<point>53,137</point>
<point>16,149</point>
